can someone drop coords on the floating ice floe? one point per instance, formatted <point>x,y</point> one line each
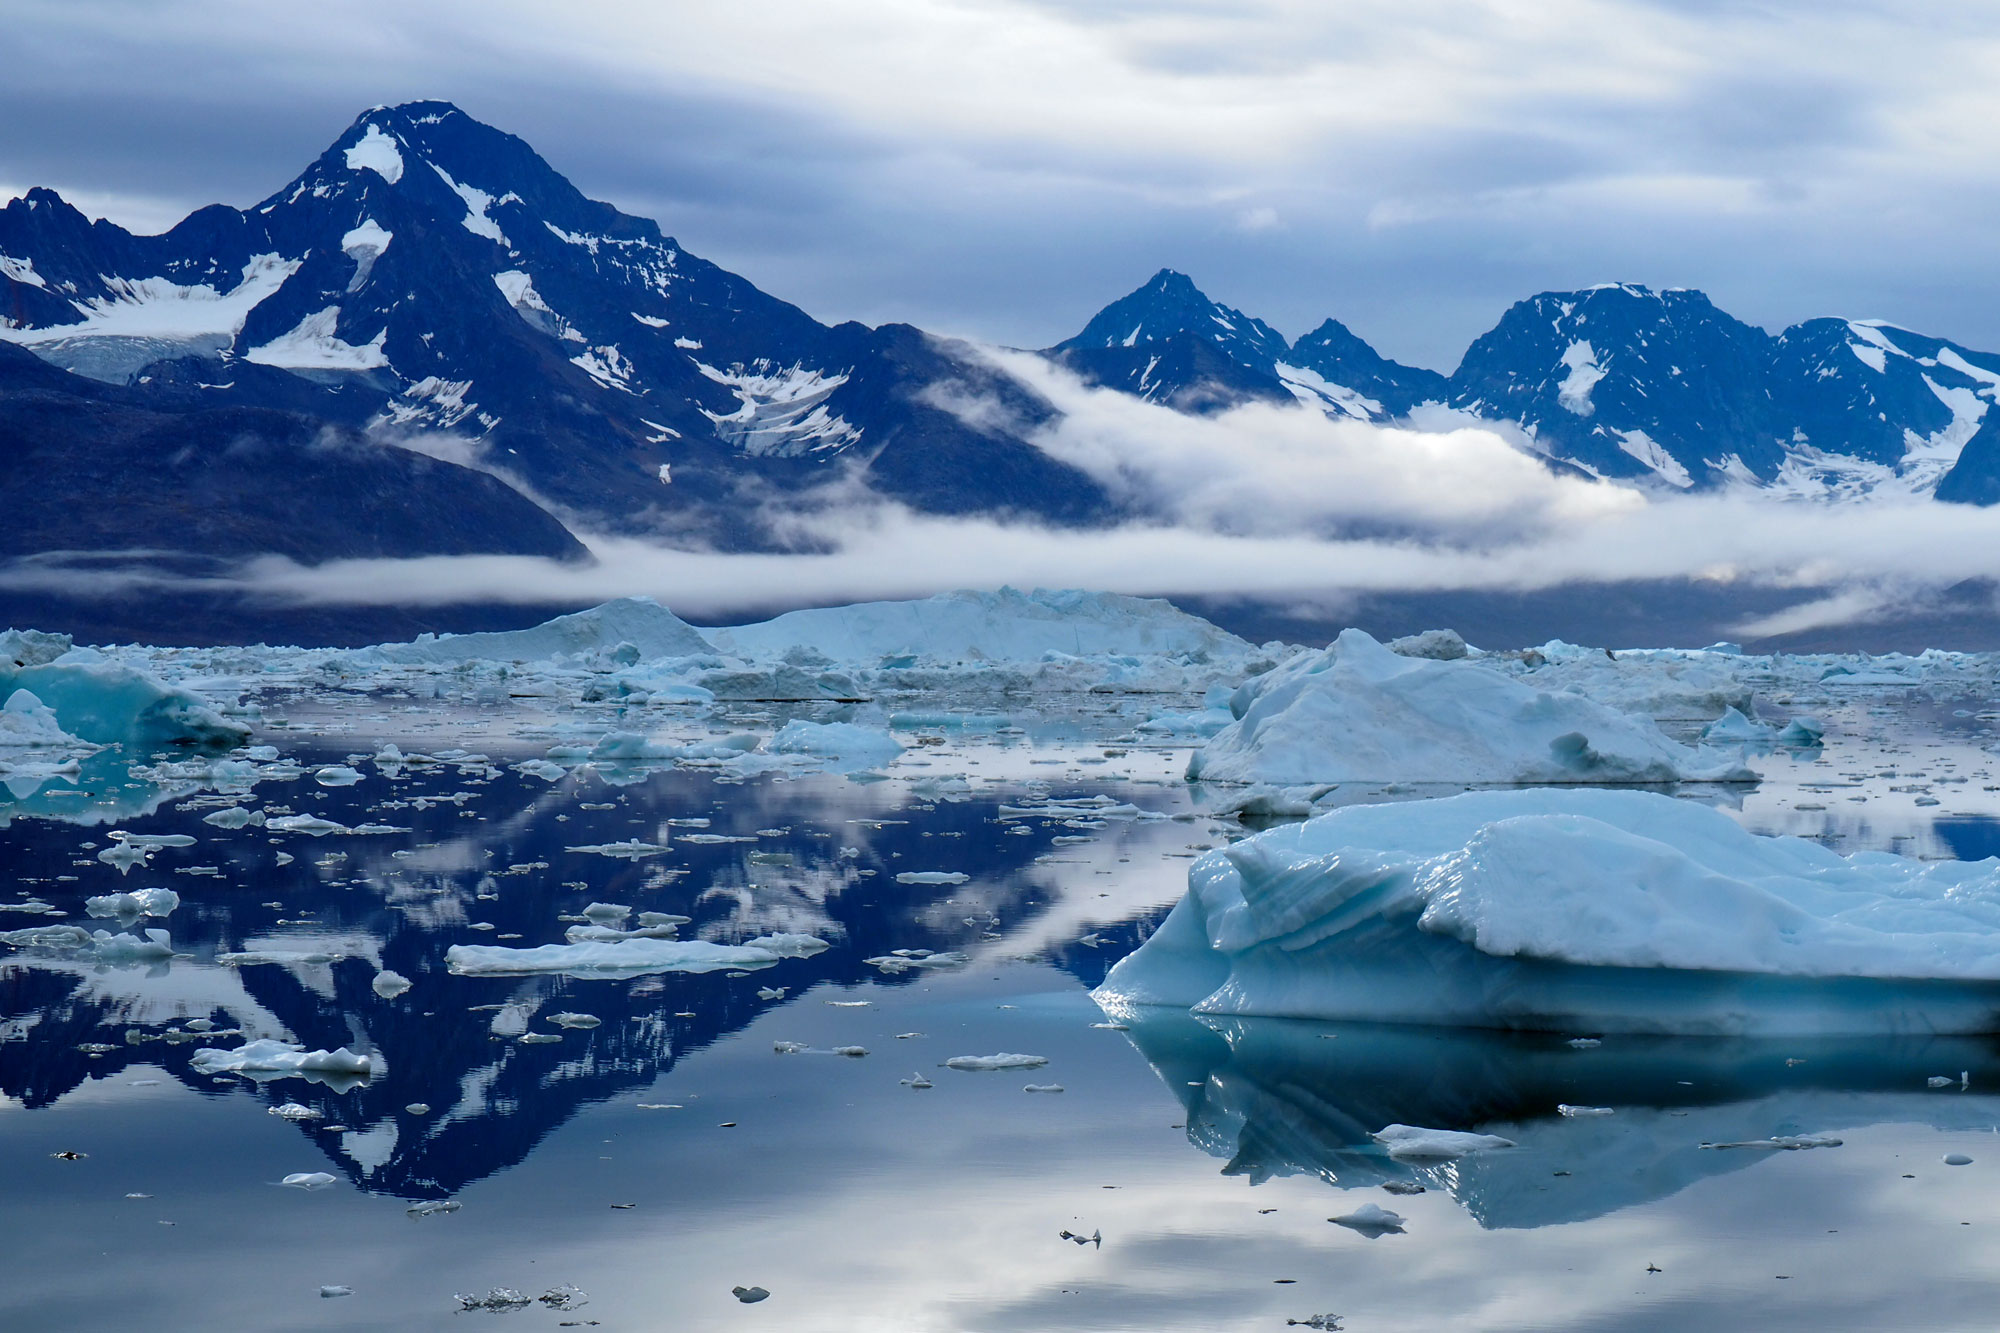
<point>1370,1219</point>
<point>1002,1061</point>
<point>1414,1143</point>
<point>1574,909</point>
<point>140,902</point>
<point>631,957</point>
<point>105,702</point>
<point>157,945</point>
<point>1357,712</point>
<point>269,1058</point>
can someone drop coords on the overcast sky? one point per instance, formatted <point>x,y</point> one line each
<point>1002,168</point>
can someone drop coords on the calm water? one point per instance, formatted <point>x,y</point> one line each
<point>671,1152</point>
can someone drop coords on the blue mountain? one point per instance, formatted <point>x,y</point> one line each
<point>430,273</point>
<point>430,289</point>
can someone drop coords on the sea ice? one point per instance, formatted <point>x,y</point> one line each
<point>1413,1143</point>
<point>1001,1061</point>
<point>630,957</point>
<point>269,1056</point>
<point>1574,909</point>
<point>642,622</point>
<point>106,702</point>
<point>1357,712</point>
<point>141,902</point>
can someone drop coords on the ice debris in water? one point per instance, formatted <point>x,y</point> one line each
<point>267,1055</point>
<point>389,984</point>
<point>294,1111</point>
<point>575,1020</point>
<point>1370,1219</point>
<point>1413,1143</point>
<point>432,1208</point>
<point>1096,1237</point>
<point>932,877</point>
<point>1043,1087</point>
<point>105,947</point>
<point>336,775</point>
<point>1957,1159</point>
<point>916,1080</point>
<point>1780,1143</point>
<point>1357,712</point>
<point>331,1290</point>
<point>1565,1109</point>
<point>1001,1061</point>
<point>631,956</point>
<point>308,1180</point>
<point>138,903</point>
<point>1666,916</point>
<point>749,1295</point>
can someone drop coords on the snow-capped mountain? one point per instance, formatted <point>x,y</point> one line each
<point>1169,343</point>
<point>431,273</point>
<point>1617,380</point>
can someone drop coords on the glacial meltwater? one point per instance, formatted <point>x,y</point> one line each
<point>755,1079</point>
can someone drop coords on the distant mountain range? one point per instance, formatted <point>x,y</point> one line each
<point>430,301</point>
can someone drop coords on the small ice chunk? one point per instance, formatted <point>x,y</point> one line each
<point>575,1020</point>
<point>1370,1219</point>
<point>750,1295</point>
<point>932,877</point>
<point>1780,1143</point>
<point>917,1081</point>
<point>294,1111</point>
<point>330,1291</point>
<point>1043,1087</point>
<point>1957,1159</point>
<point>1565,1109</point>
<point>1415,1143</point>
<point>141,902</point>
<point>1939,1081</point>
<point>336,775</point>
<point>389,984</point>
<point>432,1208</point>
<point>1002,1061</point>
<point>308,1180</point>
<point>267,1055</point>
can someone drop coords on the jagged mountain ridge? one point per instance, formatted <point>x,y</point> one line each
<point>1618,380</point>
<point>429,273</point>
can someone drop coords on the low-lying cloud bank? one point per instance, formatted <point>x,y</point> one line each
<point>1266,502</point>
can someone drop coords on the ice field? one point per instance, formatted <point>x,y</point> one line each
<point>595,971</point>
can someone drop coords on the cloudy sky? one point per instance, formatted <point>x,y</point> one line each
<point>1002,168</point>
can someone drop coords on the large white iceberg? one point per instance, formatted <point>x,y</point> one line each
<point>642,622</point>
<point>1357,712</point>
<point>1574,910</point>
<point>1004,626</point>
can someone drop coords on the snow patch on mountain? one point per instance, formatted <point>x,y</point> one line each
<point>519,289</point>
<point>477,201</point>
<point>1584,373</point>
<point>313,345</point>
<point>376,152</point>
<point>1315,390</point>
<point>21,271</point>
<point>782,412</point>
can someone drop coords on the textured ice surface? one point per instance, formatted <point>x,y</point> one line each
<point>642,622</point>
<point>268,1056</point>
<point>1003,626</point>
<point>106,702</point>
<point>1358,712</point>
<point>631,957</point>
<point>1579,909</point>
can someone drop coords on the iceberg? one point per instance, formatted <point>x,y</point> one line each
<point>651,629</point>
<point>104,702</point>
<point>630,956</point>
<point>138,903</point>
<point>842,744</point>
<point>268,1058</point>
<point>1004,626</point>
<point>1357,712</point>
<point>1574,910</point>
